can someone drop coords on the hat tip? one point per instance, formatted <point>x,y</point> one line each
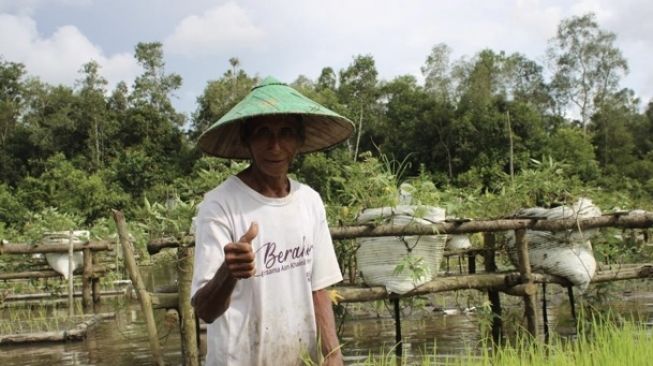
<point>269,80</point>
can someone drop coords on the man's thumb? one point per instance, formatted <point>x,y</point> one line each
<point>250,234</point>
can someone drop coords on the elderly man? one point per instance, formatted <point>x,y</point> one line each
<point>264,255</point>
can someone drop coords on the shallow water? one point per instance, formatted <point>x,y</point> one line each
<point>122,341</point>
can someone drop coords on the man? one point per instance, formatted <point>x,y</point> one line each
<point>264,255</point>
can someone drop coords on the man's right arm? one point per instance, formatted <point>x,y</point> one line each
<point>212,299</point>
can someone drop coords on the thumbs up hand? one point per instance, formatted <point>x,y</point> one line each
<point>239,256</point>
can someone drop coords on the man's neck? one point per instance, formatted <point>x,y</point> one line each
<point>269,186</point>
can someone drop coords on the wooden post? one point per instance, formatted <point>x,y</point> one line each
<point>87,300</point>
<point>545,315</point>
<point>526,278</point>
<point>71,289</point>
<point>572,303</point>
<point>398,338</point>
<point>493,296</point>
<point>137,281</point>
<point>95,281</point>
<point>471,263</point>
<point>190,354</point>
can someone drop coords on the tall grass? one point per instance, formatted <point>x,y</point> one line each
<point>600,342</point>
<point>40,318</point>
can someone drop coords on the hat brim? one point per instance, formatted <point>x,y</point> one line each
<point>321,132</point>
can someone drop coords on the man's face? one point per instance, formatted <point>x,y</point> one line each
<point>273,143</point>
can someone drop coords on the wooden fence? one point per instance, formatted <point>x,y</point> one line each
<point>90,273</point>
<point>519,283</point>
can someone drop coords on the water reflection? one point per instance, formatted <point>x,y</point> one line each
<point>123,341</point>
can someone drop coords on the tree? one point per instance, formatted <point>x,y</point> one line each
<point>154,86</point>
<point>302,84</point>
<point>70,189</point>
<point>612,132</point>
<point>93,111</point>
<point>586,65</point>
<point>219,97</point>
<point>491,129</point>
<point>358,91</point>
<point>437,72</point>
<point>572,146</point>
<point>327,79</point>
<point>51,124</point>
<point>525,82</point>
<point>11,96</point>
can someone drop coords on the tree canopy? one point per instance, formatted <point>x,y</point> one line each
<point>474,122</point>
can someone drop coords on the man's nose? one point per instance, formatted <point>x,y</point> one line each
<point>274,142</point>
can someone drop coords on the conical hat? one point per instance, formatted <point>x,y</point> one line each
<point>323,127</point>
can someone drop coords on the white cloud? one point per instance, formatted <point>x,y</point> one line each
<point>58,58</point>
<point>221,28</point>
<point>27,7</point>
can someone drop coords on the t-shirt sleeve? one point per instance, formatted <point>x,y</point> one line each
<point>326,270</point>
<point>211,235</point>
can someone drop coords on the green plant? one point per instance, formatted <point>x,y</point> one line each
<point>173,218</point>
<point>50,219</point>
<point>414,266</point>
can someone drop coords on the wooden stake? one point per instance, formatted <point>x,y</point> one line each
<point>49,273</point>
<point>139,285</point>
<point>187,324</point>
<point>87,299</point>
<point>398,338</point>
<point>95,282</point>
<point>493,295</point>
<point>526,277</point>
<point>71,305</point>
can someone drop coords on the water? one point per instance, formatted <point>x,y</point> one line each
<point>426,330</point>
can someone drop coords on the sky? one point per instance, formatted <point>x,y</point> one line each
<point>288,38</point>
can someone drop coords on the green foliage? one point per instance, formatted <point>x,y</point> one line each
<point>414,266</point>
<point>367,184</point>
<point>12,211</point>
<point>573,147</point>
<point>71,190</point>
<point>173,218</point>
<point>85,150</point>
<point>48,220</point>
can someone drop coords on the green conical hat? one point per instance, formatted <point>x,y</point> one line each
<point>324,128</point>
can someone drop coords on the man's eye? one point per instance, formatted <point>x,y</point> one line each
<point>287,133</point>
<point>262,132</point>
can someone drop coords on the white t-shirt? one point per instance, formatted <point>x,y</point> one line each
<point>270,319</point>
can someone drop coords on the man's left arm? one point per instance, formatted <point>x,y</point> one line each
<point>326,328</point>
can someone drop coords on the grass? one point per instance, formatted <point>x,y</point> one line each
<point>41,318</point>
<point>601,342</point>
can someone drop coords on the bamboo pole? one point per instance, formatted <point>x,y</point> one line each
<point>165,300</point>
<point>186,312</point>
<point>95,282</point>
<point>622,220</point>
<point>98,270</point>
<point>642,220</point>
<point>51,248</point>
<point>139,285</point>
<point>87,299</point>
<point>530,304</point>
<point>484,282</point>
<point>489,242</point>
<point>51,295</point>
<point>71,289</point>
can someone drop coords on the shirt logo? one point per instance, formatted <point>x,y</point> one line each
<point>277,260</point>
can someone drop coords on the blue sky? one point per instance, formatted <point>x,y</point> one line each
<point>288,38</point>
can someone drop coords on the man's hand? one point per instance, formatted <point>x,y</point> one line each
<point>239,257</point>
